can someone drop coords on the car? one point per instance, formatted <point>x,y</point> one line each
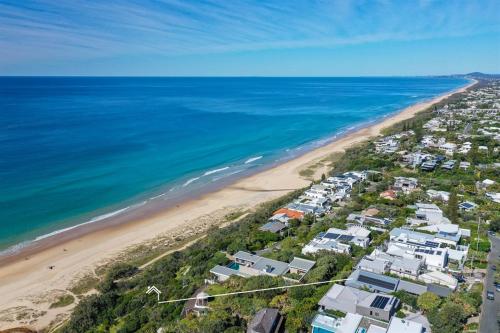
<point>490,295</point>
<point>494,267</point>
<point>498,287</point>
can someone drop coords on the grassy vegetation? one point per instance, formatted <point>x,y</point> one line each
<point>63,301</point>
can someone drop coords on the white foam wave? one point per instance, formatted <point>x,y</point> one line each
<point>253,159</point>
<point>190,181</point>
<point>21,245</point>
<point>215,171</point>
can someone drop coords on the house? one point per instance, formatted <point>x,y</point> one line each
<point>439,278</point>
<point>467,206</point>
<point>363,219</point>
<point>493,196</point>
<point>348,299</point>
<point>338,240</point>
<point>323,323</point>
<point>246,264</point>
<point>301,266</point>
<point>464,165</point>
<point>355,323</point>
<point>382,283</point>
<point>398,325</point>
<point>438,195</point>
<point>266,320</point>
<point>449,165</point>
<point>273,226</point>
<point>429,165</point>
<point>427,214</point>
<point>388,195</point>
<point>382,262</point>
<point>289,213</point>
<point>405,184</point>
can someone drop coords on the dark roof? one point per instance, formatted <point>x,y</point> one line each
<point>439,290</point>
<point>380,302</point>
<point>264,321</point>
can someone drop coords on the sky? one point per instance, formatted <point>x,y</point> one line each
<point>249,38</point>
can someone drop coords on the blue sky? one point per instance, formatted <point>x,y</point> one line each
<point>233,37</point>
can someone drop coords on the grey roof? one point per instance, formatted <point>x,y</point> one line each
<point>396,232</point>
<point>264,321</point>
<point>302,264</point>
<point>439,290</point>
<point>242,255</point>
<point>412,288</point>
<point>377,265</point>
<point>226,271</point>
<point>345,299</point>
<point>372,281</point>
<point>273,226</point>
<point>406,264</point>
<point>271,266</point>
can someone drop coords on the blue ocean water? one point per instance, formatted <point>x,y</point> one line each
<point>78,149</point>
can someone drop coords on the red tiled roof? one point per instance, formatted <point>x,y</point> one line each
<point>292,214</point>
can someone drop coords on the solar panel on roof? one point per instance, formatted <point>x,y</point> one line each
<point>431,244</point>
<point>379,302</point>
<point>376,282</point>
<point>331,235</point>
<point>346,238</point>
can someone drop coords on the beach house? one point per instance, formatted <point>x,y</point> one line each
<point>245,264</point>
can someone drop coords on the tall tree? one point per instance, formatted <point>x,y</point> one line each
<point>453,207</point>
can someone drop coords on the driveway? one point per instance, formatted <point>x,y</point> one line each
<point>491,309</point>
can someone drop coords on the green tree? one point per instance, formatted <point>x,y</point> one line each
<point>453,207</point>
<point>448,319</point>
<point>428,301</point>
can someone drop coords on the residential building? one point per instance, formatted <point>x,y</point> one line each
<point>348,299</point>
<point>405,184</point>
<point>427,214</point>
<point>246,264</point>
<point>267,320</point>
<point>338,240</point>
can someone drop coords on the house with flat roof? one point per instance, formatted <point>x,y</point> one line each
<point>246,264</point>
<point>355,323</point>
<point>398,325</point>
<point>323,323</point>
<point>347,299</point>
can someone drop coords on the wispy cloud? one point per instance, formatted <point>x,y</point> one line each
<point>64,30</point>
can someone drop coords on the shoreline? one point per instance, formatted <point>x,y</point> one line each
<point>25,273</point>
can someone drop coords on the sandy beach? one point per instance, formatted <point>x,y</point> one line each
<point>32,280</point>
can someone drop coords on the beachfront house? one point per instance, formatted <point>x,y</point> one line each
<point>245,265</point>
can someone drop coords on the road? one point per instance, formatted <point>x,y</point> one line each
<point>491,309</point>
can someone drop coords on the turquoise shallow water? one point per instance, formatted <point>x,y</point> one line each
<point>74,150</point>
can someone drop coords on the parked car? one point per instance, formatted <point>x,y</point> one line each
<point>494,267</point>
<point>490,295</point>
<point>498,287</point>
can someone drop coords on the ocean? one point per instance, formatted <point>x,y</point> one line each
<point>77,150</point>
